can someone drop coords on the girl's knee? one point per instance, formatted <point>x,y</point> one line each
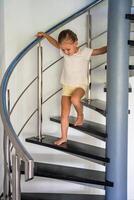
<point>75,100</point>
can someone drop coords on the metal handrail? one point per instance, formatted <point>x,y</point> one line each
<point>19,148</point>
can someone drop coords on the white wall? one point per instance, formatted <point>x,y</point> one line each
<point>22,20</point>
<point>2,41</point>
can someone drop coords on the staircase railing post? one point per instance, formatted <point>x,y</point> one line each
<point>89,35</point>
<point>16,191</point>
<point>117,98</point>
<point>6,173</point>
<point>9,143</point>
<point>40,65</point>
<point>7,159</point>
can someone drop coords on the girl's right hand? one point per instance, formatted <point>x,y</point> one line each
<point>40,34</point>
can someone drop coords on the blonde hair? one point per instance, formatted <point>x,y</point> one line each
<point>66,35</point>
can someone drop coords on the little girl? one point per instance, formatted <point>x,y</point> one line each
<point>74,76</point>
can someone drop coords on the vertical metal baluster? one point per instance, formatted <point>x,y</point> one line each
<point>9,143</point>
<point>6,177</point>
<point>89,26</point>
<point>7,164</point>
<point>40,63</point>
<point>16,191</point>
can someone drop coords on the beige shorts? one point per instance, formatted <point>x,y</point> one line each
<point>68,90</point>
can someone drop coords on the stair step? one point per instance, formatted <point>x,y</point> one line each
<point>89,127</point>
<point>131,67</point>
<point>131,73</point>
<point>131,51</point>
<point>103,85</point>
<point>130,16</point>
<point>78,175</point>
<point>60,196</point>
<point>131,70</point>
<point>95,104</point>
<point>85,151</point>
<point>129,89</point>
<point>131,42</point>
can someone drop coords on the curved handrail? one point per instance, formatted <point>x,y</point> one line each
<point>20,149</point>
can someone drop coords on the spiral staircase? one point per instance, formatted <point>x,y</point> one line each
<point>17,159</point>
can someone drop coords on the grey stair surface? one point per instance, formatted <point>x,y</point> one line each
<point>85,151</point>
<point>60,196</point>
<point>131,51</point>
<point>78,175</point>
<point>131,73</point>
<point>89,127</point>
<point>95,104</point>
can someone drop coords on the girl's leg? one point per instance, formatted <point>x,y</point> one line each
<point>76,96</point>
<point>65,110</point>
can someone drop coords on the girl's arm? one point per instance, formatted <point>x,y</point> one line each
<point>99,51</point>
<point>49,38</point>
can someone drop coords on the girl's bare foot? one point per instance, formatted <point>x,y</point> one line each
<point>79,120</point>
<point>60,141</point>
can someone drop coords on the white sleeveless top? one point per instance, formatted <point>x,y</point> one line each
<point>76,67</point>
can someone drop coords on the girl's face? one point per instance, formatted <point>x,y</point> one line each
<point>69,47</point>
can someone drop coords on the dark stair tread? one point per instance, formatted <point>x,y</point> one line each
<point>130,17</point>
<point>95,104</point>
<point>131,67</point>
<point>89,127</point>
<point>104,86</point>
<point>98,105</point>
<point>79,175</point>
<point>129,89</point>
<point>80,149</point>
<point>60,196</point>
<point>131,42</point>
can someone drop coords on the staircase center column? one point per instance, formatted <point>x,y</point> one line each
<point>117,98</point>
